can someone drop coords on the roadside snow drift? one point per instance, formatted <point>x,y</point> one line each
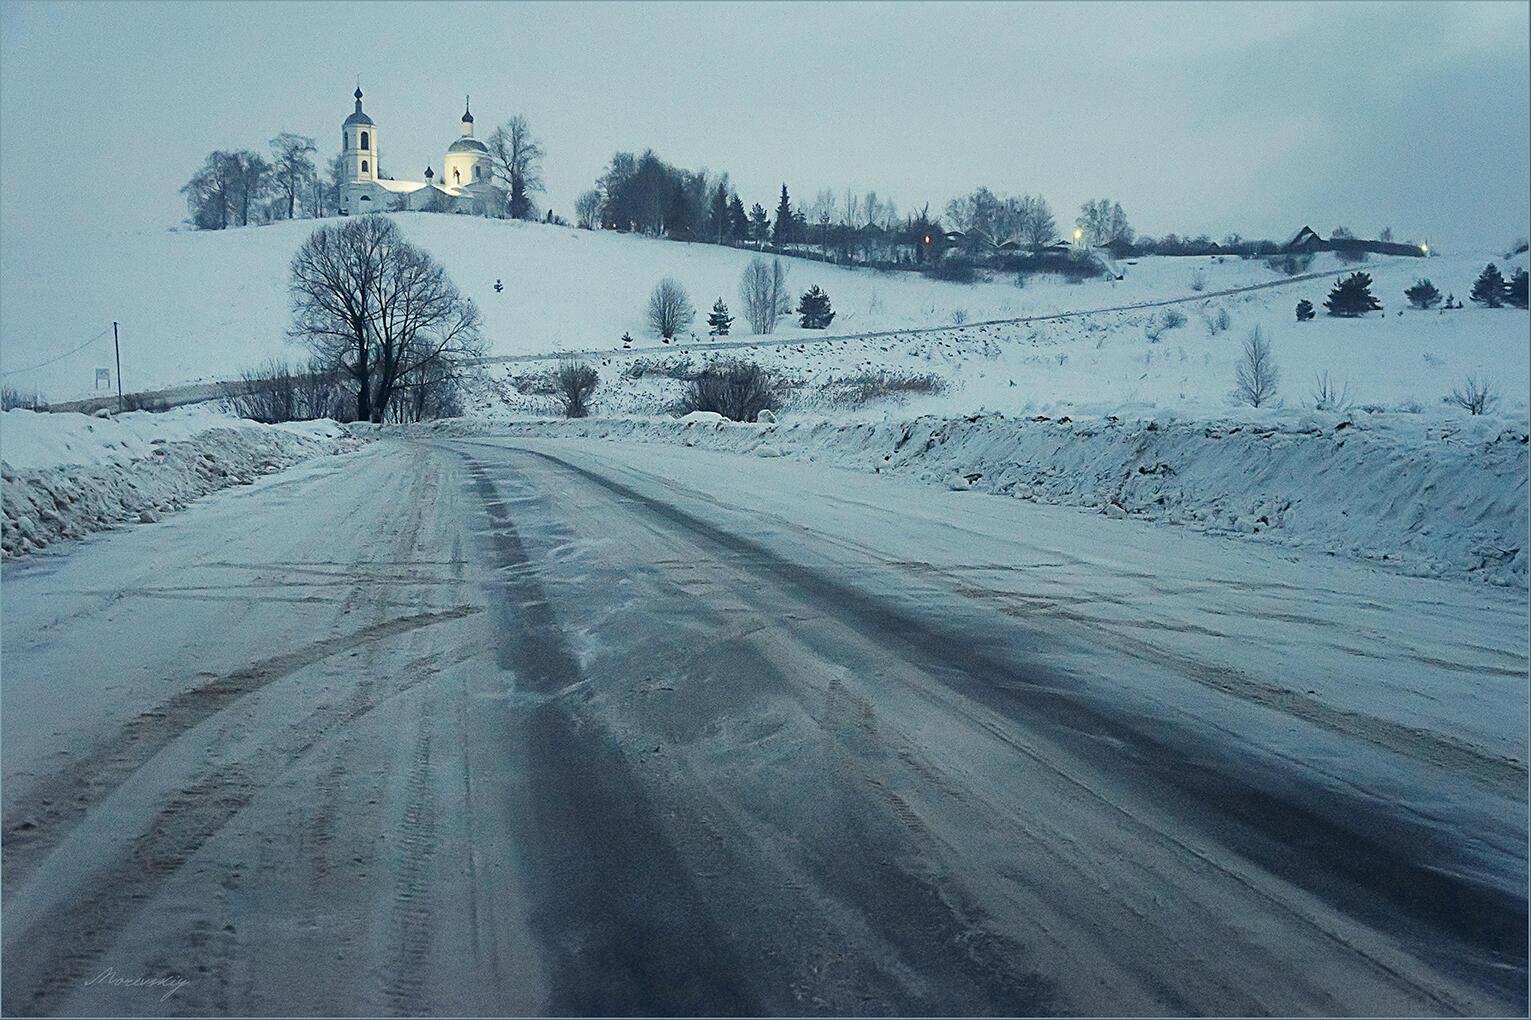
<point>63,476</point>
<point>1431,499</point>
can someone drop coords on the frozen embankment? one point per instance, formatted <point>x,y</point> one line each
<point>1444,498</point>
<point>63,476</point>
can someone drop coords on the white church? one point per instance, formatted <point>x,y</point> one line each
<point>466,184</point>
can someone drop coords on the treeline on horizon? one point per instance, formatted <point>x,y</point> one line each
<point>642,193</point>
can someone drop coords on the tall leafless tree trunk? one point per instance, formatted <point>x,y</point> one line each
<point>370,303</point>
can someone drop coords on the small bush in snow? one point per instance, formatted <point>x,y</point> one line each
<point>1216,322</point>
<point>1352,297</point>
<point>670,368</point>
<point>1489,288</point>
<point>1423,294</point>
<point>11,398</point>
<point>1515,290</point>
<point>279,392</point>
<point>856,390</point>
<point>959,316</point>
<point>1305,310</point>
<point>814,309</point>
<point>1199,281</point>
<point>738,390</point>
<point>718,320</point>
<point>1291,265</point>
<point>1328,397</point>
<point>1476,395</point>
<point>1256,376</point>
<point>576,381</point>
<point>670,309</point>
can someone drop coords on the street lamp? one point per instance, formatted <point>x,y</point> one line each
<point>1425,249</point>
<point>1078,235</point>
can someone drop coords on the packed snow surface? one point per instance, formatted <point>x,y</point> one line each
<point>1431,500</point>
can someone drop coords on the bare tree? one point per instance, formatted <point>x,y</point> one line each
<point>575,381</point>
<point>822,212</point>
<point>587,209</point>
<point>670,309</point>
<point>1475,396</point>
<point>1256,377</point>
<point>292,167</point>
<point>516,158</point>
<point>1037,228</point>
<point>211,190</point>
<point>377,308</point>
<point>1103,222</point>
<point>252,177</point>
<point>763,292</point>
<point>850,210</point>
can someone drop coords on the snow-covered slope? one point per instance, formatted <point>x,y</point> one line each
<point>197,306</point>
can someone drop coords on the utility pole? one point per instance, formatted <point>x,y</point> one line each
<point>118,348</point>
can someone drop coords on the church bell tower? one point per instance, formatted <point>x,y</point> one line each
<point>358,143</point>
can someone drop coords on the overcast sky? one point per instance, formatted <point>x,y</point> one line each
<point>1212,117</point>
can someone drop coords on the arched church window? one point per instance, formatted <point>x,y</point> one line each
<point>364,141</point>
<point>478,171</point>
<point>456,175</point>
<point>363,166</point>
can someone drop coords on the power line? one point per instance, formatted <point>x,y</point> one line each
<point>61,357</point>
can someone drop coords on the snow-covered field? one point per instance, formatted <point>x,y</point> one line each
<point>66,475</point>
<point>201,306</point>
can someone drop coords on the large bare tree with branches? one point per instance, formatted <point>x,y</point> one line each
<point>379,309</point>
<point>516,157</point>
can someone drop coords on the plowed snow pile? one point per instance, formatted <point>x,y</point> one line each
<point>66,475</point>
<point>1443,498</point>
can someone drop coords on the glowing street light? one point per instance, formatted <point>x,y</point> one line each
<point>1078,235</point>
<point>1424,249</point>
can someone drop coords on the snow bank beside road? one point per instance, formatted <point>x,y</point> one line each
<point>1444,498</point>
<point>63,476</point>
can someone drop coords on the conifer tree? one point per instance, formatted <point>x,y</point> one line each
<point>786,223</point>
<point>718,214</point>
<point>627,339</point>
<point>1489,289</point>
<point>1352,297</point>
<point>1305,310</point>
<point>1515,293</point>
<point>1423,294</point>
<point>718,320</point>
<point>738,220</point>
<point>814,309</point>
<point>760,223</point>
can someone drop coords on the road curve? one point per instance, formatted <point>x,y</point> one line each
<point>550,727</point>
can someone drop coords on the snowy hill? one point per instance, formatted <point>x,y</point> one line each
<point>196,306</point>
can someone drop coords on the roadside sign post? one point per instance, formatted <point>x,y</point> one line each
<point>118,349</point>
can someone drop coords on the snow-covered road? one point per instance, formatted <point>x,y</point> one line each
<point>572,726</point>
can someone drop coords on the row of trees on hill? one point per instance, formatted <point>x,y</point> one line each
<point>1352,297</point>
<point>237,187</point>
<point>762,292</point>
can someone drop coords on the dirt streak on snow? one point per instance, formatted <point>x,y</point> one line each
<point>1441,499</point>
